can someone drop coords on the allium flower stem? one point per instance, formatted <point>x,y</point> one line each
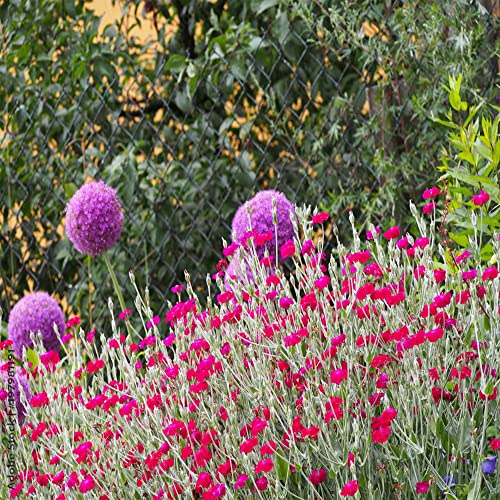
<point>118,292</point>
<point>89,262</point>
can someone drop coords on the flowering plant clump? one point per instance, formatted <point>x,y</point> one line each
<point>18,382</point>
<point>371,372</point>
<point>94,218</point>
<point>36,312</point>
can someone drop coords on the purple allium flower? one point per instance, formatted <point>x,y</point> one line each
<point>261,219</point>
<point>36,312</point>
<point>12,388</point>
<point>237,270</point>
<point>94,218</point>
<point>489,465</point>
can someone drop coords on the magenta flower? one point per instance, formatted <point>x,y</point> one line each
<point>265,465</point>
<point>349,489</point>
<point>429,207</point>
<point>422,487</point>
<point>241,481</point>
<point>480,199</point>
<point>336,376</point>
<point>430,193</point>
<point>94,218</point>
<point>36,312</point>
<point>318,476</point>
<point>392,233</point>
<point>320,217</point>
<point>489,273</point>
<point>257,215</point>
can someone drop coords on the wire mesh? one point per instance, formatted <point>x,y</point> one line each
<point>282,108</point>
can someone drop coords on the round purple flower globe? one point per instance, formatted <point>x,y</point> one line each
<point>237,270</point>
<point>36,312</point>
<point>94,218</point>
<point>261,219</point>
<point>12,384</point>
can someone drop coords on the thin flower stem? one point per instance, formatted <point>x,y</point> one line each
<point>118,293</point>
<point>89,262</point>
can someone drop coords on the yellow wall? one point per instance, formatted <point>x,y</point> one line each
<point>110,11</point>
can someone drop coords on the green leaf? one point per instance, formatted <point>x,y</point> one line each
<point>467,156</point>
<point>445,123</point>
<point>474,180</point>
<point>70,188</point>
<point>176,63</point>
<point>448,442</point>
<point>459,238</point>
<point>455,101</point>
<point>281,27</point>
<point>261,6</point>
<point>283,467</point>
<point>32,357</point>
<point>489,389</point>
<point>70,8</point>
<point>496,154</point>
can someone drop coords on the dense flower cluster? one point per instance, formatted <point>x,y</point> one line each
<point>36,312</point>
<point>370,368</point>
<point>94,218</point>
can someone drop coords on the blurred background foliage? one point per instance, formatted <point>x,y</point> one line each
<point>327,101</point>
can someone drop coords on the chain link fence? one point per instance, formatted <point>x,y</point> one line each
<point>328,104</point>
